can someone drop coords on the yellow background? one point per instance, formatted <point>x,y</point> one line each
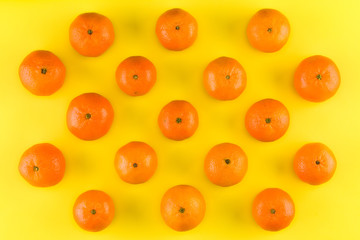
<point>329,211</point>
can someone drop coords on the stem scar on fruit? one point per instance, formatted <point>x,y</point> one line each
<point>182,210</point>
<point>90,32</point>
<point>268,120</point>
<point>178,120</point>
<point>177,27</point>
<point>135,165</point>
<point>36,168</point>
<point>93,211</point>
<point>88,116</point>
<point>269,30</point>
<point>318,76</point>
<point>227,161</point>
<point>317,162</point>
<point>135,77</point>
<point>272,211</point>
<point>43,71</point>
<point>227,76</point>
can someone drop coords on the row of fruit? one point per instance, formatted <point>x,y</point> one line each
<point>182,207</point>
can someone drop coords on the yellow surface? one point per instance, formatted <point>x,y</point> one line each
<point>329,211</point>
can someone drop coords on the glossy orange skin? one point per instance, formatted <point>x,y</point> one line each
<point>224,78</point>
<point>307,82</point>
<point>136,75</point>
<point>171,37</point>
<point>136,162</point>
<point>264,205</point>
<point>182,207</point>
<point>314,163</point>
<point>169,122</point>
<point>42,165</point>
<point>225,164</point>
<point>268,30</point>
<point>42,73</point>
<point>261,111</point>
<point>94,200</point>
<point>101,111</point>
<point>101,37</point>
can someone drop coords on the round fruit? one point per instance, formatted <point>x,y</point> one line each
<point>42,73</point>
<point>273,209</point>
<point>176,29</point>
<point>317,78</point>
<point>314,163</point>
<point>42,165</point>
<point>93,210</point>
<point>267,120</point>
<point>89,116</point>
<point>268,30</point>
<point>178,120</point>
<point>225,164</point>
<point>136,162</point>
<point>182,207</point>
<point>224,78</point>
<point>136,75</point>
<point>91,34</point>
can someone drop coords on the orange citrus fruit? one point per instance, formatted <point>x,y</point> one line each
<point>136,162</point>
<point>91,34</point>
<point>182,207</point>
<point>89,116</point>
<point>317,78</point>
<point>94,210</point>
<point>42,165</point>
<point>267,120</point>
<point>314,163</point>
<point>224,78</point>
<point>42,73</point>
<point>273,209</point>
<point>178,120</point>
<point>225,164</point>
<point>268,30</point>
<point>136,75</point>
<point>176,29</point>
